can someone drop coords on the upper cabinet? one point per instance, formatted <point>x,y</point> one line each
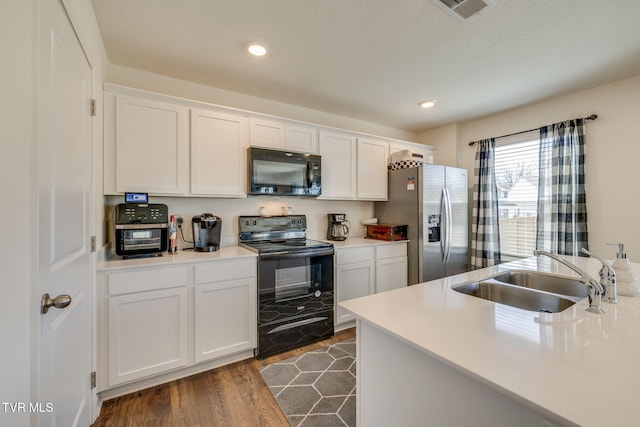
<point>338,152</point>
<point>168,146</point>
<point>353,168</point>
<point>219,144</point>
<point>266,133</point>
<point>283,135</point>
<point>152,146</point>
<point>299,137</point>
<point>162,146</point>
<point>372,163</point>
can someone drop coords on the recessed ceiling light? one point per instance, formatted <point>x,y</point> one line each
<point>257,49</point>
<point>427,104</point>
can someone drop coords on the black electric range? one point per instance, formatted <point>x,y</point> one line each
<point>295,282</point>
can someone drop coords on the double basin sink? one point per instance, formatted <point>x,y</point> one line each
<point>528,290</point>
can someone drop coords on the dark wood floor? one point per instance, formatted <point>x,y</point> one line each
<point>234,395</point>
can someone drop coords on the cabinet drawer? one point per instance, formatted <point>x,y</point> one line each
<point>218,271</point>
<point>147,280</point>
<point>391,251</point>
<point>351,255</point>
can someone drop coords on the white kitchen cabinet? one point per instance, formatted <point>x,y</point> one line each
<point>151,146</point>
<point>366,270</point>
<point>372,161</point>
<point>219,144</point>
<point>281,135</point>
<point>171,146</point>
<point>355,277</point>
<point>301,138</point>
<point>391,267</point>
<point>147,323</point>
<point>225,307</point>
<point>338,151</point>
<point>161,321</point>
<point>266,133</point>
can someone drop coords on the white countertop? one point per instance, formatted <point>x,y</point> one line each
<point>580,366</point>
<point>224,253</point>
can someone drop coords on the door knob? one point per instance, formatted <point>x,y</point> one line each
<point>61,301</point>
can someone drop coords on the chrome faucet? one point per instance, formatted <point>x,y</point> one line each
<point>607,279</point>
<point>596,290</point>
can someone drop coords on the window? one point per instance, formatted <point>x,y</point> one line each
<point>516,169</point>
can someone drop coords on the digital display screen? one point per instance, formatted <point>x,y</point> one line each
<point>141,234</point>
<point>136,198</point>
<point>278,221</point>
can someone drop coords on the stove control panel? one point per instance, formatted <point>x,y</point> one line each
<point>272,223</point>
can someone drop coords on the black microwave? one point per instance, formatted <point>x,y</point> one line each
<point>283,173</point>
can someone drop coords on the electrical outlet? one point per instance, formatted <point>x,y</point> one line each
<point>179,220</point>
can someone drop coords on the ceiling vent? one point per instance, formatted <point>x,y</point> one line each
<point>464,9</point>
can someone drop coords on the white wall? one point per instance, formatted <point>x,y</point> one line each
<point>15,180</point>
<point>612,145</point>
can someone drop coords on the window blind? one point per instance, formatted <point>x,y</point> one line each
<point>516,169</point>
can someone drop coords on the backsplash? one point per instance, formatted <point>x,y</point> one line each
<point>230,209</point>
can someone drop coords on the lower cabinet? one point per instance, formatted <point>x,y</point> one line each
<point>353,281</point>
<point>147,334</point>
<point>366,270</point>
<point>225,312</point>
<point>164,320</point>
<point>391,267</point>
<point>147,321</point>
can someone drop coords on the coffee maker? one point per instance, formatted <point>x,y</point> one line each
<point>338,226</point>
<point>206,232</point>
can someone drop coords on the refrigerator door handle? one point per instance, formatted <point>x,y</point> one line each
<point>443,225</point>
<point>447,224</point>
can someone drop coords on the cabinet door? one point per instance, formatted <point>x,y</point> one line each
<point>218,154</point>
<point>152,146</point>
<point>301,138</point>
<point>147,334</point>
<point>353,281</point>
<point>391,274</point>
<point>372,163</point>
<point>266,133</point>
<point>338,153</point>
<point>225,318</point>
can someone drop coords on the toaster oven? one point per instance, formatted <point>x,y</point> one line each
<point>140,229</point>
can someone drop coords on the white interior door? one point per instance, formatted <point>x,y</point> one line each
<point>63,235</point>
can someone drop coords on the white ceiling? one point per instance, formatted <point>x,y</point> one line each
<point>376,59</point>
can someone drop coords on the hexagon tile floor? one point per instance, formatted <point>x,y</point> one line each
<point>317,388</point>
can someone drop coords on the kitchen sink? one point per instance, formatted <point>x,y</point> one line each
<point>569,287</point>
<point>516,296</point>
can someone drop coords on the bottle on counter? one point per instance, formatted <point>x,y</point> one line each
<point>627,281</point>
<point>173,236</point>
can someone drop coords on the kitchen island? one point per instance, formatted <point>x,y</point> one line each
<point>428,355</point>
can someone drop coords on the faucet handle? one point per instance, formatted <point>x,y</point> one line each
<point>607,279</point>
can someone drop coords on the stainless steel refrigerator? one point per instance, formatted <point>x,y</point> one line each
<point>433,201</point>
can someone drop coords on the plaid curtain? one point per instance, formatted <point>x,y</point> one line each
<point>485,237</point>
<point>562,207</point>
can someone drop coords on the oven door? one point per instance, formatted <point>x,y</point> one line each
<point>294,284</point>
